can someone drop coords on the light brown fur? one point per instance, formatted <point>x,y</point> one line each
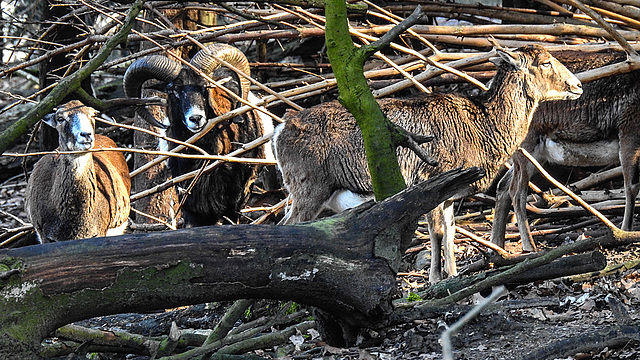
<point>71,196</point>
<point>584,132</point>
<point>320,150</point>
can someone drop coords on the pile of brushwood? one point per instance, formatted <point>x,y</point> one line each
<point>348,286</point>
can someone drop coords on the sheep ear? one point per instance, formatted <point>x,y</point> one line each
<point>49,119</point>
<point>506,57</point>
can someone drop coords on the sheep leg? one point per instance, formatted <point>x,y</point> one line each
<point>629,158</point>
<point>306,204</point>
<point>518,191</point>
<point>448,239</point>
<point>441,232</point>
<point>502,207</point>
<point>436,233</point>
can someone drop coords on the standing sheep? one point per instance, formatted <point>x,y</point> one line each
<point>321,155</point>
<point>192,102</point>
<point>76,196</point>
<point>601,128</point>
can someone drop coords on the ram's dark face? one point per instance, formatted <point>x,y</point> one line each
<point>189,99</point>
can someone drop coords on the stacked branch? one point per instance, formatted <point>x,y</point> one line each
<point>427,55</point>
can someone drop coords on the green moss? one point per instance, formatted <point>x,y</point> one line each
<point>28,315</point>
<point>413,297</point>
<point>294,307</point>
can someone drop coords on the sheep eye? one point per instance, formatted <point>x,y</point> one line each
<point>546,65</point>
<point>59,119</point>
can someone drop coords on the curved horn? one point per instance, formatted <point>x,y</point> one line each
<point>153,67</point>
<point>205,62</point>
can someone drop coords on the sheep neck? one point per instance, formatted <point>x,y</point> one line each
<point>510,110</point>
<point>77,182</point>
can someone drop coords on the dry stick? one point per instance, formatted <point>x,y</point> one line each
<point>167,184</point>
<point>593,180</point>
<point>8,214</point>
<point>555,7</point>
<point>431,62</point>
<point>481,241</point>
<point>17,233</point>
<point>429,73</point>
<point>445,39</point>
<point>396,20</point>
<point>410,77</point>
<point>428,60</point>
<point>508,29</point>
<point>575,197</point>
<point>598,19</point>
<point>218,31</point>
<point>627,21</point>
<point>445,338</point>
<point>406,50</point>
<point>517,15</point>
<point>268,211</point>
<point>225,158</point>
<point>630,12</point>
<point>155,218</point>
<point>559,230</point>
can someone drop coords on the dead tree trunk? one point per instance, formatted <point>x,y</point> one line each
<point>333,264</point>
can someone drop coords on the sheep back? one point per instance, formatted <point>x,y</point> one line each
<point>599,113</point>
<point>323,134</point>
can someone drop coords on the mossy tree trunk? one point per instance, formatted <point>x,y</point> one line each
<point>329,264</point>
<point>347,62</point>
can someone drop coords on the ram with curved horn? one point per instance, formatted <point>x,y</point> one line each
<point>192,102</point>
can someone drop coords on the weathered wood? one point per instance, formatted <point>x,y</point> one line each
<point>611,337</point>
<point>565,266</point>
<point>329,264</point>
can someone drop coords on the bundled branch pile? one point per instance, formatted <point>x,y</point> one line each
<point>285,45</point>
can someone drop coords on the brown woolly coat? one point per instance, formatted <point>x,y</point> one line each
<point>68,205</point>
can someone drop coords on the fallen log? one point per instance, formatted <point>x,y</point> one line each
<point>345,265</point>
<point>565,266</point>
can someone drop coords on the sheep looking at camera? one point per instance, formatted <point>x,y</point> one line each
<point>191,102</point>
<point>321,155</point>
<point>76,196</point>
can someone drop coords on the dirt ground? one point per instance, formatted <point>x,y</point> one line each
<point>565,313</point>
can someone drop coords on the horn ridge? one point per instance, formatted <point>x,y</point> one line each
<point>205,62</point>
<point>157,67</point>
<point>152,67</point>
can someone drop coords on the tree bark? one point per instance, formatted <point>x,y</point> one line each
<point>329,264</point>
<point>347,62</point>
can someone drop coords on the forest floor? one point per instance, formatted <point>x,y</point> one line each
<point>567,313</point>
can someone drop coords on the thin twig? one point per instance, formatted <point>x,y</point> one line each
<point>575,197</point>
<point>445,338</point>
<point>481,241</point>
<point>224,158</point>
<point>154,218</point>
